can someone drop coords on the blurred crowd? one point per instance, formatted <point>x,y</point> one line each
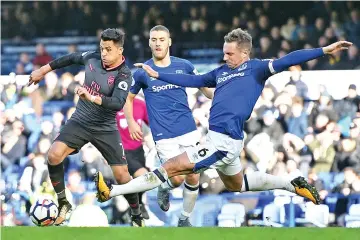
<point>288,134</point>
<point>276,27</point>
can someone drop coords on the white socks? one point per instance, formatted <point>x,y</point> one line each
<point>154,179</point>
<point>256,181</point>
<point>190,194</point>
<point>143,183</point>
<point>259,181</point>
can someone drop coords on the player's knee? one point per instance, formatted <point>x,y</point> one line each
<point>192,179</point>
<point>178,165</point>
<point>55,156</point>
<point>177,180</point>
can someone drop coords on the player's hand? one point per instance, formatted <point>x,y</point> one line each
<point>151,72</point>
<point>337,46</point>
<point>135,131</point>
<point>82,93</point>
<point>36,76</point>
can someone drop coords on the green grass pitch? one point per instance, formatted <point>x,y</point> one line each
<point>124,233</point>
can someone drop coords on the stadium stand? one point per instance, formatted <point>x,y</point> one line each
<point>318,138</point>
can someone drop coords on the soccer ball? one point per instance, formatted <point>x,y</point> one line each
<point>43,212</point>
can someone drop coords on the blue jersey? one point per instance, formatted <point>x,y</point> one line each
<point>237,90</point>
<point>167,104</point>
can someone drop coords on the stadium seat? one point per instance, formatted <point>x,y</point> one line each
<point>299,213</point>
<point>265,198</point>
<point>317,214</point>
<point>354,210</point>
<point>206,211</point>
<point>274,214</point>
<point>352,219</point>
<point>232,215</point>
<point>330,201</point>
<point>306,214</point>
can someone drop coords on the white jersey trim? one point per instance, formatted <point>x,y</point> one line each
<point>271,67</point>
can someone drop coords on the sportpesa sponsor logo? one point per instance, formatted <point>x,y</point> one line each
<point>224,79</point>
<point>164,87</point>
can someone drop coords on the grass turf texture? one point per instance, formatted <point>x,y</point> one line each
<point>124,233</point>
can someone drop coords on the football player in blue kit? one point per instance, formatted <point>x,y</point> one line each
<point>170,119</point>
<point>238,85</point>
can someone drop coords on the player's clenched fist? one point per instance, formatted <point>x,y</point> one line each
<point>82,93</point>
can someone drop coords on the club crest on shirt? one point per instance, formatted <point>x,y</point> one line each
<point>111,80</point>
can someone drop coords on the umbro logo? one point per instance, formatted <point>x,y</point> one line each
<point>224,73</point>
<point>152,79</point>
<point>179,71</point>
<point>242,67</point>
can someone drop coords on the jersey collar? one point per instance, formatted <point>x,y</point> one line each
<point>113,68</point>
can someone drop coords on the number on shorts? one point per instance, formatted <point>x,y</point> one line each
<point>202,152</point>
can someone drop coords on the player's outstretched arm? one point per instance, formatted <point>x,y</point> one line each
<point>301,56</point>
<point>64,61</point>
<point>184,80</point>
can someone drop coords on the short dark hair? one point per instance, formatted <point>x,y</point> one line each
<point>113,34</point>
<point>241,37</point>
<point>160,28</point>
